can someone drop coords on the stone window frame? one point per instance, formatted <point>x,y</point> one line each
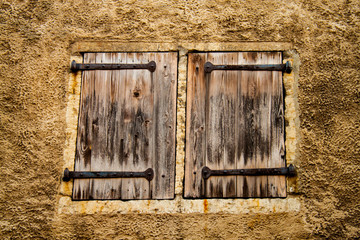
<point>179,204</point>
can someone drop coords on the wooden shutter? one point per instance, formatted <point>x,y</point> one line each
<point>127,123</point>
<point>234,121</point>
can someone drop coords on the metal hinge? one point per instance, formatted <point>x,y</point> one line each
<point>148,174</point>
<point>209,67</point>
<point>151,66</point>
<point>287,171</point>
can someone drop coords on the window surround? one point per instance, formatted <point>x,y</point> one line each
<point>179,204</point>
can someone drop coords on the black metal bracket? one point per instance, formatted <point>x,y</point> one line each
<point>287,171</point>
<point>148,174</point>
<point>151,66</point>
<point>209,67</point>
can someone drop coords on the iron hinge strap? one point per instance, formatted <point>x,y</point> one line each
<point>287,171</point>
<point>209,67</point>
<point>148,174</point>
<point>151,66</point>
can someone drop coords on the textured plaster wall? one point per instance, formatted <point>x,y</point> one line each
<point>36,39</point>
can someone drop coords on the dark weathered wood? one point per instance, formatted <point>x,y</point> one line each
<point>277,184</point>
<point>229,106</point>
<point>102,125</point>
<point>195,132</point>
<point>137,108</point>
<point>84,136</point>
<point>214,118</point>
<point>220,134</point>
<point>243,114</point>
<point>254,95</point>
<point>119,119</point>
<point>117,99</point>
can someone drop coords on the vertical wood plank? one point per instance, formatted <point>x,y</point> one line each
<point>108,143</point>
<point>250,131</point>
<point>138,108</point>
<point>215,139</point>
<point>165,124</point>
<point>277,184</point>
<point>243,151</point>
<point>229,126</point>
<point>241,181</point>
<point>262,119</point>
<point>195,126</point>
<point>83,142</point>
<point>220,131</point>
<point>100,158</point>
<point>119,80</point>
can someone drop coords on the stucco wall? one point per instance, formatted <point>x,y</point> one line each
<point>36,46</point>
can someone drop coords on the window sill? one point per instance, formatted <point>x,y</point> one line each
<point>180,205</point>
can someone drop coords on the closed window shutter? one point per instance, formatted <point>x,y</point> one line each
<point>235,120</point>
<point>127,123</point>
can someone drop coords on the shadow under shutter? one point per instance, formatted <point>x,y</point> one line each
<point>127,124</point>
<point>235,120</point>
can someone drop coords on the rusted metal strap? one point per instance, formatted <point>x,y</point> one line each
<point>148,174</point>
<point>151,66</point>
<point>209,67</point>
<point>287,171</point>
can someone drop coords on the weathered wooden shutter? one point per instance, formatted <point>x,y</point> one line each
<point>127,123</point>
<point>234,121</point>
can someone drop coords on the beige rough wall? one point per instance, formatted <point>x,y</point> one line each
<point>35,48</point>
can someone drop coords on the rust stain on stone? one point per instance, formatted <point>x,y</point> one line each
<point>67,187</point>
<point>206,205</point>
<point>74,83</point>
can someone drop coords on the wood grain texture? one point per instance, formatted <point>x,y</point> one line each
<point>125,117</point>
<point>229,106</point>
<point>138,137</point>
<point>164,128</point>
<point>243,116</point>
<point>215,140</point>
<point>83,142</point>
<point>195,127</point>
